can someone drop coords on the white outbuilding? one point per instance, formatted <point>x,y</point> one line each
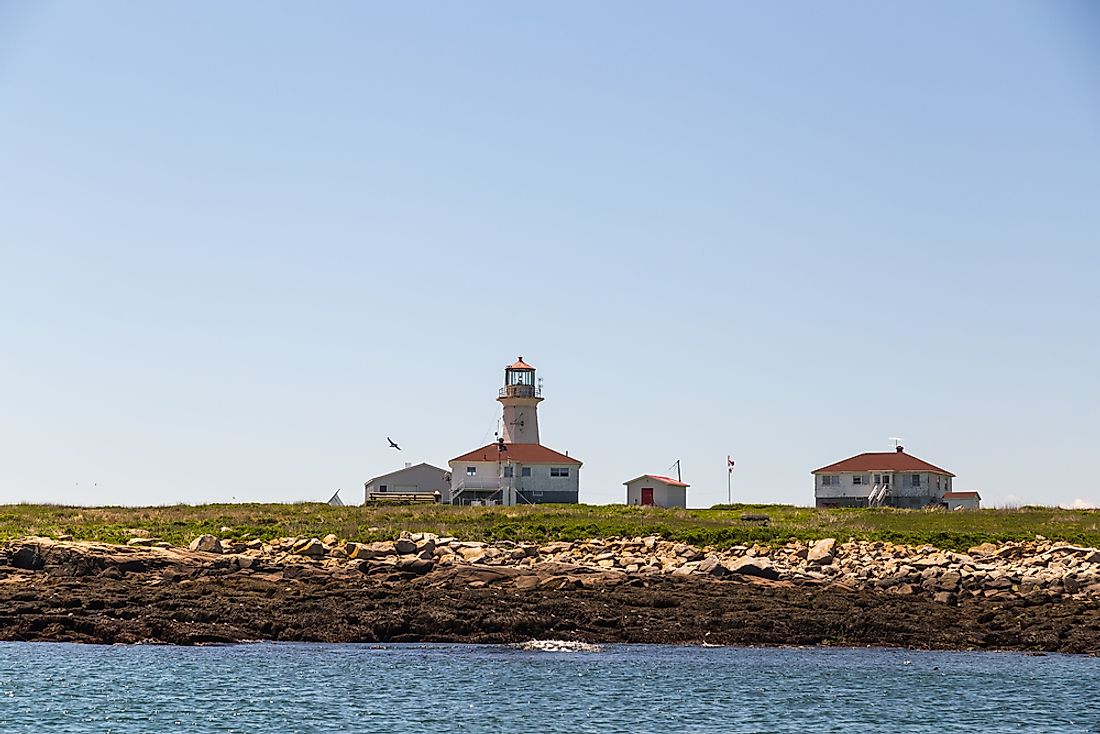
<point>656,491</point>
<point>423,482</point>
<point>962,500</point>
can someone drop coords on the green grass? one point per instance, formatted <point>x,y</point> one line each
<point>719,526</point>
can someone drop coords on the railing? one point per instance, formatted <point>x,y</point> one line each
<point>520,391</point>
<point>878,495</point>
<point>474,486</point>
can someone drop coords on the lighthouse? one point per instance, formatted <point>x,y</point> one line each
<point>520,397</point>
<point>516,469</point>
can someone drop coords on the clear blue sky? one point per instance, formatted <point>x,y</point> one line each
<point>241,243</point>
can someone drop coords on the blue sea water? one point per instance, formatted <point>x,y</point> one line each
<point>47,688</point>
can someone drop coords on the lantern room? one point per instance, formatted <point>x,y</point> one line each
<point>519,381</point>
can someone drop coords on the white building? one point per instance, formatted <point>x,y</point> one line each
<point>890,478</point>
<point>962,500</point>
<point>422,479</point>
<point>656,491</point>
<point>517,469</point>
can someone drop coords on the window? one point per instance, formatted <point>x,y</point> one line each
<point>508,472</point>
<point>559,471</point>
<point>914,481</point>
<point>471,471</point>
<point>885,478</point>
<point>381,487</point>
<point>878,479</point>
<point>857,479</point>
<point>827,480</point>
<point>525,471</point>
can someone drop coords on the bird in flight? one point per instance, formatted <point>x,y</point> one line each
<point>392,444</point>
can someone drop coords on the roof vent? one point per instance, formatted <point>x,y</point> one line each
<point>900,449</point>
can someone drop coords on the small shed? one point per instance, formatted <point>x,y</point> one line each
<point>423,480</point>
<point>962,500</point>
<point>656,491</point>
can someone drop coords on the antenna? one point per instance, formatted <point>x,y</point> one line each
<point>897,441</point>
<point>540,385</point>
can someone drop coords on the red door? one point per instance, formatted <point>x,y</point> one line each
<point>647,495</point>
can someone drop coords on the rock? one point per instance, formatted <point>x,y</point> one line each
<point>528,582</point>
<point>66,536</point>
<point>142,541</point>
<point>944,597</point>
<point>27,559</point>
<point>903,590</point>
<point>206,544</point>
<point>985,549</point>
<point>330,539</point>
<point>380,549</point>
<point>753,566</point>
<point>471,555</point>
<point>404,546</point>
<point>711,565</point>
<point>948,581</point>
<point>426,545</point>
<point>821,552</point>
<point>311,547</point>
<point>419,566</point>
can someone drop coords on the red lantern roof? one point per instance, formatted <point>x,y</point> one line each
<point>520,365</point>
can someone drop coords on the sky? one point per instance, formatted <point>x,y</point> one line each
<point>243,243</point>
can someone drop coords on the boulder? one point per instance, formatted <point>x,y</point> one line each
<point>404,546</point>
<point>330,540</point>
<point>142,541</point>
<point>381,549</point>
<point>821,552</point>
<point>471,555</point>
<point>758,566</point>
<point>711,565</point>
<point>27,559</point>
<point>206,544</point>
<point>311,547</point>
<point>415,565</point>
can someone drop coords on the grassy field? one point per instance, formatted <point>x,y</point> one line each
<point>719,526</point>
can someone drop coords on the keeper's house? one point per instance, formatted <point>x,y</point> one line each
<point>888,478</point>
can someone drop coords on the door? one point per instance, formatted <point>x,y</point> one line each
<point>647,495</point>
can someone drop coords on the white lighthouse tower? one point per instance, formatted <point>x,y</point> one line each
<point>516,469</point>
<point>521,397</point>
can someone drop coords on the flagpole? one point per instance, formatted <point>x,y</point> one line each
<point>729,481</point>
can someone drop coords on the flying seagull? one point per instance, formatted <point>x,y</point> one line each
<point>392,444</point>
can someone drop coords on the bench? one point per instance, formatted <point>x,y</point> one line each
<point>404,498</point>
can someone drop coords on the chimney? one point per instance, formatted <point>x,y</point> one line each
<point>408,464</point>
<point>900,449</point>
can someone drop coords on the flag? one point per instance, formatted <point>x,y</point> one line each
<point>729,464</point>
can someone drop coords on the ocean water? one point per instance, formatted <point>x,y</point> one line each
<point>46,688</point>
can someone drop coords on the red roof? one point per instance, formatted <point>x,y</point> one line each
<point>884,461</point>
<point>524,453</point>
<point>664,480</point>
<point>520,365</point>
<point>961,496</point>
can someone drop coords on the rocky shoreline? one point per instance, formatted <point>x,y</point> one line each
<point>1037,595</point>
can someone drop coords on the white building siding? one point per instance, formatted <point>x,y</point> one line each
<point>664,495</point>
<point>420,478</point>
<point>844,491</point>
<point>538,487</point>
